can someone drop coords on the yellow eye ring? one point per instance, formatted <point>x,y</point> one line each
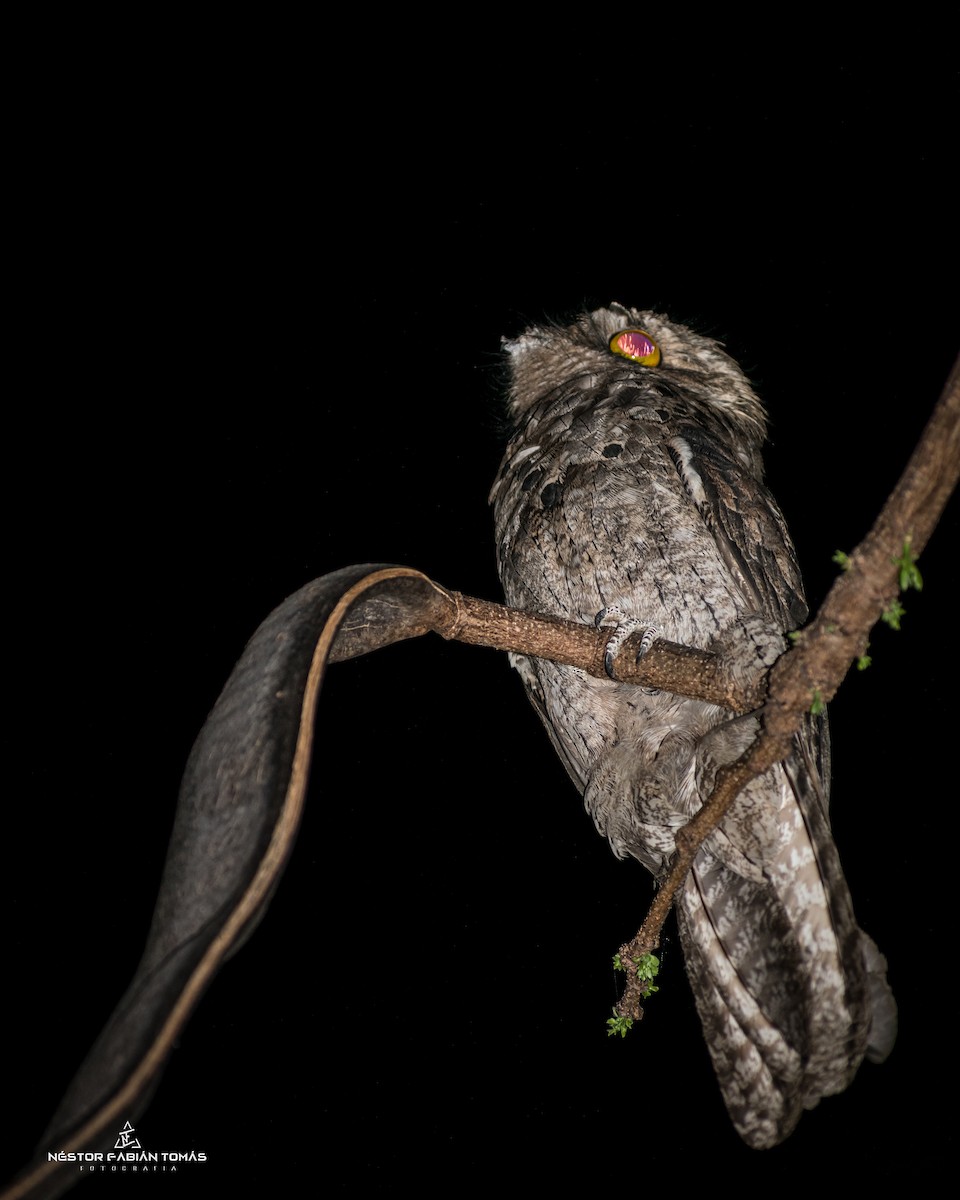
<point>636,345</point>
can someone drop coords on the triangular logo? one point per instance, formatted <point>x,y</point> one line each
<point>126,1140</point>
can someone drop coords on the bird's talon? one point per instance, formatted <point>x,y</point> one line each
<point>606,617</point>
<point>625,628</point>
<point>650,635</point>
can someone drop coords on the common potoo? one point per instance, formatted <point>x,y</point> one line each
<point>633,484</point>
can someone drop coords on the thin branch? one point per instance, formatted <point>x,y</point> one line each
<point>668,666</point>
<point>827,648</point>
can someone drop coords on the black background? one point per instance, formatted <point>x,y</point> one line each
<point>265,279</point>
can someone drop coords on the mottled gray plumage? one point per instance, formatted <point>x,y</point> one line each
<point>640,487</point>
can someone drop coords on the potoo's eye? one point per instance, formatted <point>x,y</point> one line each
<point>637,346</point>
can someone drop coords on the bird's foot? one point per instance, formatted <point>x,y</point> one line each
<point>624,627</point>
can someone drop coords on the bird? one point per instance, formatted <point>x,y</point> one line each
<point>631,494</point>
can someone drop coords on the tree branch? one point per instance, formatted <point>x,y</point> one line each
<point>379,620</point>
<point>817,665</point>
<point>683,670</point>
